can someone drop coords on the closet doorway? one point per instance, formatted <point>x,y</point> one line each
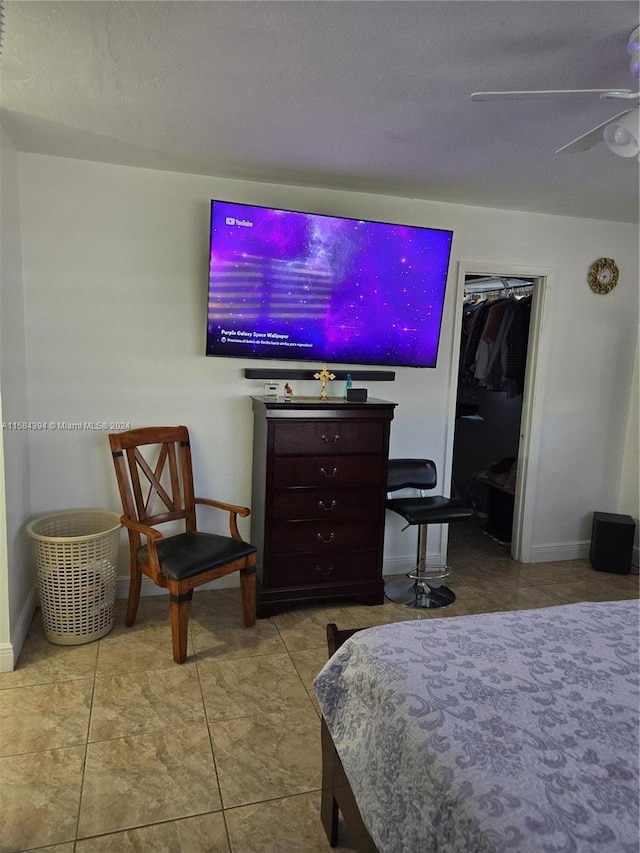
<point>492,446</point>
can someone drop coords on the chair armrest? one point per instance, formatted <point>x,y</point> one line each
<point>152,535</point>
<point>240,510</point>
<point>233,510</point>
<point>150,532</point>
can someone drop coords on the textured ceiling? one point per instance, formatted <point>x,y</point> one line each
<point>368,96</point>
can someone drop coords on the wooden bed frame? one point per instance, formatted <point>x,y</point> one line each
<point>337,795</point>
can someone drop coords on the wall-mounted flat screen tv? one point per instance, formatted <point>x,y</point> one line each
<point>308,287</point>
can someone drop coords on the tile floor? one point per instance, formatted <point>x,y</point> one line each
<point>110,746</point>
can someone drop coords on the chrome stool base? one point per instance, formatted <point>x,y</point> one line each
<point>420,593</point>
<point>423,588</point>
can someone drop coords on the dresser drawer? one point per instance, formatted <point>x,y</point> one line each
<point>323,537</point>
<point>291,570</point>
<point>327,471</point>
<point>327,503</point>
<point>329,437</point>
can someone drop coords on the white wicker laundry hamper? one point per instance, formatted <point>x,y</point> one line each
<point>77,564</point>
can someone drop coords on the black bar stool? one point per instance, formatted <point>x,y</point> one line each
<point>424,587</point>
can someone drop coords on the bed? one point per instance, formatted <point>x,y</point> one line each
<point>499,732</point>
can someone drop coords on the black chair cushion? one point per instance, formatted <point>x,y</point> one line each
<point>431,510</point>
<point>411,473</point>
<point>189,554</point>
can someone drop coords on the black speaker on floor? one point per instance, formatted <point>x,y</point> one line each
<point>612,542</point>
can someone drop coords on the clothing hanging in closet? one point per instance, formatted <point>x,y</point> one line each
<point>495,335</point>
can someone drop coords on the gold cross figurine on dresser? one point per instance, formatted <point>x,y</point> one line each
<point>324,376</point>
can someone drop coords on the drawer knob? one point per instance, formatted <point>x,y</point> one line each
<point>328,440</point>
<point>326,570</point>
<point>327,508</point>
<point>321,538</point>
<point>327,474</point>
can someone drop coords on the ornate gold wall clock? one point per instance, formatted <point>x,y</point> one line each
<point>603,275</point>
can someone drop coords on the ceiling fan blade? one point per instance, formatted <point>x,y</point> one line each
<point>621,93</point>
<point>589,139</point>
<point>546,93</point>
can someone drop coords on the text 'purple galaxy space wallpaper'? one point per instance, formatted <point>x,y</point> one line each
<point>303,286</point>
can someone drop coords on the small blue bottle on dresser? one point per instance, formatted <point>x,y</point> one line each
<point>347,385</point>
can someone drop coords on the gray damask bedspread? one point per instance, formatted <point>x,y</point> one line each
<point>499,732</point>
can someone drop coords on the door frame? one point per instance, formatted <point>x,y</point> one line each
<point>538,350</point>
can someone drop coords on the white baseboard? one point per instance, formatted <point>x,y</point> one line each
<point>560,551</point>
<point>7,658</point>
<point>10,652</point>
<point>574,551</point>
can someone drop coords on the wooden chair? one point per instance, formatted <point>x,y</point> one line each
<point>155,478</point>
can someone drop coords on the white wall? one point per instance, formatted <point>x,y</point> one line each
<point>630,487</point>
<point>17,599</point>
<point>115,275</point>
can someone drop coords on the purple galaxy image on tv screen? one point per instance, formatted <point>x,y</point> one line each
<point>303,286</point>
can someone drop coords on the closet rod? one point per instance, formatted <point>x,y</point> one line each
<point>502,291</point>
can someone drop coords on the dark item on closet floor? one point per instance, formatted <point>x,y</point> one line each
<point>155,479</point>
<point>466,410</point>
<point>612,538</point>
<point>499,527</point>
<point>500,479</point>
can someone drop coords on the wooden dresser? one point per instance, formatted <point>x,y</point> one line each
<point>318,500</point>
